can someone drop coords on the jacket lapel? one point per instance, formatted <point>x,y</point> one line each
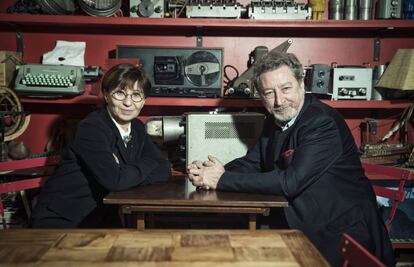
<point>119,143</point>
<point>278,139</point>
<point>270,149</point>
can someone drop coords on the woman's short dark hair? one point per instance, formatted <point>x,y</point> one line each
<point>124,76</point>
<point>275,60</point>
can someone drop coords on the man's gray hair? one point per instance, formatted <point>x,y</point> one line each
<point>275,60</point>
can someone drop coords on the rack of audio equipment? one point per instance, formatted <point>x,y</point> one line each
<point>314,41</point>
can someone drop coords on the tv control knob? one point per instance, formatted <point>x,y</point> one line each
<point>320,84</point>
<point>343,91</point>
<point>158,10</point>
<point>247,91</point>
<point>230,91</point>
<point>321,74</point>
<point>362,91</point>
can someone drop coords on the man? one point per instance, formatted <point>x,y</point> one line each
<point>306,153</point>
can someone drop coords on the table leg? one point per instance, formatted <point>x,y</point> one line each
<point>252,222</point>
<point>140,221</point>
<point>150,219</point>
<point>25,203</point>
<point>3,219</point>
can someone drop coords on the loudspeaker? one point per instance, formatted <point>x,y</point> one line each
<point>317,79</point>
<point>226,136</point>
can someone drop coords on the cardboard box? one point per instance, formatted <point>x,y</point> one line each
<point>8,60</point>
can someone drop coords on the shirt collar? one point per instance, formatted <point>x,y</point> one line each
<point>286,126</point>
<point>126,135</point>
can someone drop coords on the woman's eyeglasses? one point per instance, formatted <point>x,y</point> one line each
<point>122,95</point>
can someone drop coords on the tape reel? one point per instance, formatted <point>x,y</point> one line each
<point>202,68</point>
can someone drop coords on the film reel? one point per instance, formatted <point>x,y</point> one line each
<point>103,8</point>
<point>202,68</point>
<point>146,8</point>
<point>15,125</point>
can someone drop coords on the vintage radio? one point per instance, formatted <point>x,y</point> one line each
<point>278,9</point>
<point>230,9</point>
<point>185,72</point>
<point>352,83</point>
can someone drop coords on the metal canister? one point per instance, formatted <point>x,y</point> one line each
<point>336,9</point>
<point>350,10</point>
<point>364,9</point>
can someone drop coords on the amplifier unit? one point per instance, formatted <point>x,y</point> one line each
<point>352,83</point>
<point>184,72</point>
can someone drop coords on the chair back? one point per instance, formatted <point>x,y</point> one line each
<point>356,255</point>
<point>36,179</point>
<point>374,171</point>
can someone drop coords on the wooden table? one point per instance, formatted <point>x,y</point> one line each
<point>128,247</point>
<point>175,196</point>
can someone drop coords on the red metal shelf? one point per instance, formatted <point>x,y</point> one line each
<point>221,102</point>
<point>243,27</point>
<point>217,102</point>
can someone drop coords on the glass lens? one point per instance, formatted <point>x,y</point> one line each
<point>136,97</point>
<point>119,95</point>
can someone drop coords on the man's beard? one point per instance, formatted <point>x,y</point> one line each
<point>285,115</point>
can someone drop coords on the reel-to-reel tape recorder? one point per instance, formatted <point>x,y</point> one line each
<point>186,72</point>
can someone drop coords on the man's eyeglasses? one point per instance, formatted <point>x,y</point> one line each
<point>121,96</point>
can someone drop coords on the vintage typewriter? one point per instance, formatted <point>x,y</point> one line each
<point>49,80</point>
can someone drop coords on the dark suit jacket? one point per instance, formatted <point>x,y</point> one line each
<point>315,165</point>
<point>95,163</point>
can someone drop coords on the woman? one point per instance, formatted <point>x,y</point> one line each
<point>110,152</point>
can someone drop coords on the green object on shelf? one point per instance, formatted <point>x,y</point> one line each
<point>46,154</point>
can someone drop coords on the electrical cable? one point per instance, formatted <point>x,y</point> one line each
<point>227,81</point>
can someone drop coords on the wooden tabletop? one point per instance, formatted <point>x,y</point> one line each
<point>123,247</point>
<point>176,193</point>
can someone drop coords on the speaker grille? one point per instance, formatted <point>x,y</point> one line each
<point>229,130</point>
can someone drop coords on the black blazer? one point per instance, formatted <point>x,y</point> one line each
<point>96,163</point>
<point>316,166</point>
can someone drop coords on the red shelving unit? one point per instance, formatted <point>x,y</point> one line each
<point>221,102</point>
<point>209,26</point>
<point>324,41</point>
